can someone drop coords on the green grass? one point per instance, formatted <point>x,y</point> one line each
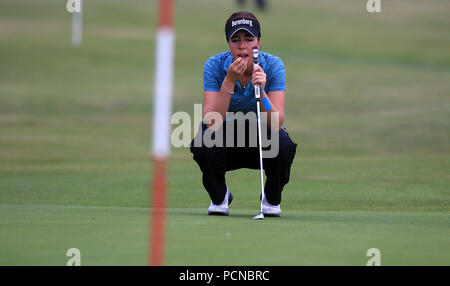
<point>367,102</point>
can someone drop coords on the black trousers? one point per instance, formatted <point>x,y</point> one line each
<point>215,161</point>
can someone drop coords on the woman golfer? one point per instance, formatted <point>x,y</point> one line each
<point>229,82</point>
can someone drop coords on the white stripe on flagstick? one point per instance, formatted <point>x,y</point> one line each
<point>162,108</point>
<point>77,26</point>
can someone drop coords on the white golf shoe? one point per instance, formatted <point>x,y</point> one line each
<point>221,209</point>
<point>270,210</point>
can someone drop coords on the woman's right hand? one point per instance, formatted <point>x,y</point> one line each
<point>237,69</point>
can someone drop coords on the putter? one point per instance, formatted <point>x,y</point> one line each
<point>258,113</point>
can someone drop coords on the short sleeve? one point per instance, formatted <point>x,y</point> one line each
<point>278,76</point>
<point>211,81</point>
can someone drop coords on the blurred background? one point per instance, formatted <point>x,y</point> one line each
<point>367,101</point>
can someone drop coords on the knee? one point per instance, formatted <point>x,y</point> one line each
<point>206,156</point>
<point>197,148</point>
<point>286,156</point>
<point>287,149</point>
<point>201,152</point>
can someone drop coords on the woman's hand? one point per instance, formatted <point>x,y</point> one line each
<point>259,77</point>
<point>237,69</point>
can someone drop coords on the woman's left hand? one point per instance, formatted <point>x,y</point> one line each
<point>259,77</point>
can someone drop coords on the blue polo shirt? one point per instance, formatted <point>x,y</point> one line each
<point>216,68</point>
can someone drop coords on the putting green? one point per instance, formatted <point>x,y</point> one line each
<point>366,100</point>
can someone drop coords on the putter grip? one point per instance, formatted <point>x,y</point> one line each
<point>255,53</point>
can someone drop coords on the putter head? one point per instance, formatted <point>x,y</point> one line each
<point>259,216</point>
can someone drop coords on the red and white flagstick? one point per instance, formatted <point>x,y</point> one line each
<point>161,128</point>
